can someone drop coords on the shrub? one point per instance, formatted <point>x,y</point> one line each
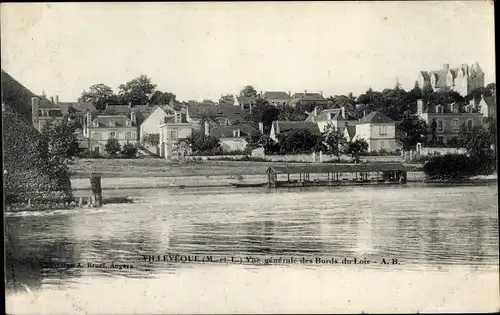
<point>129,151</point>
<point>112,147</point>
<point>458,166</point>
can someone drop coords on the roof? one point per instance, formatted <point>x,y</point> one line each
<point>230,112</point>
<point>276,95</point>
<point>118,108</point>
<point>47,104</point>
<point>332,168</point>
<point>16,95</point>
<point>227,131</point>
<point>375,118</point>
<point>246,99</point>
<point>351,130</point>
<point>286,126</point>
<point>425,75</point>
<point>79,106</point>
<point>334,113</point>
<point>308,96</point>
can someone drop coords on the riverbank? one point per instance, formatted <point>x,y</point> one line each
<point>155,167</point>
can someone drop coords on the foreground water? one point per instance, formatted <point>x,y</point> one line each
<point>259,250</point>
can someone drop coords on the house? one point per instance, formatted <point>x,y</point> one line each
<point>336,117</point>
<point>232,138</point>
<point>98,128</point>
<point>308,99</point>
<point>283,127</point>
<point>245,102</point>
<point>448,118</point>
<point>171,130</point>
<point>488,106</point>
<point>277,97</point>
<point>78,106</point>
<point>377,129</point>
<point>462,79</point>
<point>222,114</point>
<point>150,122</point>
<point>44,111</point>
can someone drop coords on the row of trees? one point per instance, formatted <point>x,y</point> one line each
<point>138,91</point>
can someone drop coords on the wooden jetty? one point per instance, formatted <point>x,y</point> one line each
<point>336,174</point>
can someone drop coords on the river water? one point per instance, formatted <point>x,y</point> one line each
<point>428,247</point>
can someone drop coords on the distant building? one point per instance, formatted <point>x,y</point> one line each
<point>222,114</point>
<point>463,79</point>
<point>488,106</point>
<point>44,111</point>
<point>77,106</point>
<point>308,99</point>
<point>377,129</point>
<point>245,102</point>
<point>98,128</point>
<point>171,130</point>
<point>448,118</point>
<point>283,127</point>
<point>232,138</point>
<point>277,97</point>
<point>336,117</point>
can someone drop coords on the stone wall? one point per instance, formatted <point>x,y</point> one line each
<point>28,172</point>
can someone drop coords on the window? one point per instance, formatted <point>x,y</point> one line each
<point>111,123</point>
<point>440,125</point>
<point>128,135</point>
<point>97,149</point>
<point>96,123</point>
<point>112,135</point>
<point>455,125</point>
<point>96,136</point>
<point>382,130</point>
<point>128,123</point>
<point>236,133</point>
<point>173,134</point>
<point>382,144</point>
<point>440,139</point>
<point>470,123</point>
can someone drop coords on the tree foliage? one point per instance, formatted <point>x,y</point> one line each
<point>248,91</point>
<point>61,139</point>
<point>227,99</point>
<point>112,147</point>
<point>137,91</point>
<point>161,98</point>
<point>129,151</point>
<point>414,130</point>
<point>356,147</point>
<point>152,139</point>
<point>298,141</point>
<point>99,95</point>
<point>201,143</point>
<point>334,140</point>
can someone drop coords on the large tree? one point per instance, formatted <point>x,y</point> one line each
<point>161,98</point>
<point>99,95</point>
<point>356,147</point>
<point>248,91</point>
<point>414,130</point>
<point>227,99</point>
<point>334,140</point>
<point>137,91</point>
<point>298,141</point>
<point>61,139</point>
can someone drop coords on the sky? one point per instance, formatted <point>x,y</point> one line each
<point>203,50</point>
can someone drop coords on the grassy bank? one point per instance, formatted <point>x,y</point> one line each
<point>153,167</point>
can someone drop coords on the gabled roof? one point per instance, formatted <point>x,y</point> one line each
<point>375,118</point>
<point>47,104</point>
<point>334,113</point>
<point>78,106</point>
<point>230,112</point>
<point>227,131</point>
<point>308,96</point>
<point>276,95</point>
<point>246,99</point>
<point>351,130</point>
<point>287,126</point>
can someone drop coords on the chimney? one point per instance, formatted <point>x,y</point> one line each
<point>178,117</point>
<point>305,91</point>
<point>289,93</point>
<point>342,112</point>
<point>420,106</point>
<point>315,111</point>
<point>321,93</point>
<point>446,66</point>
<point>56,99</point>
<point>35,101</point>
<point>277,127</point>
<point>364,113</point>
<point>207,128</point>
<point>261,127</point>
<point>51,99</point>
<point>129,104</point>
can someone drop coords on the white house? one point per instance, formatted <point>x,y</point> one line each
<point>377,129</point>
<point>150,124</point>
<point>171,130</point>
<point>232,137</point>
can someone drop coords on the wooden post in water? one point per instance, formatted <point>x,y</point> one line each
<point>95,184</point>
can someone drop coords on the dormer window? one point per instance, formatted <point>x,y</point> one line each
<point>128,123</point>
<point>133,117</point>
<point>89,118</point>
<point>236,133</point>
<point>111,123</point>
<point>96,123</point>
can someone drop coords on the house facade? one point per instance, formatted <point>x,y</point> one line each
<point>377,129</point>
<point>462,79</point>
<point>448,118</point>
<point>98,128</point>
<point>232,138</point>
<point>171,130</point>
<point>245,102</point>
<point>277,97</point>
<point>43,111</point>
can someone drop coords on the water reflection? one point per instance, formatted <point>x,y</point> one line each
<point>421,226</point>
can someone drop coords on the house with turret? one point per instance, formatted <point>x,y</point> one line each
<point>462,79</point>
